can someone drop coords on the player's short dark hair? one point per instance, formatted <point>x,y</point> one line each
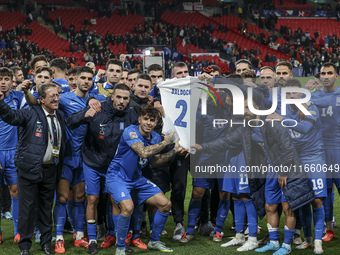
<point>244,61</point>
<point>121,86</point>
<point>59,63</point>
<point>4,71</point>
<point>249,74</point>
<point>42,69</point>
<point>84,69</point>
<point>125,70</point>
<point>15,69</point>
<point>155,67</point>
<point>216,68</point>
<point>73,70</point>
<point>285,63</point>
<point>37,59</point>
<point>329,64</point>
<point>144,76</point>
<point>134,70</point>
<point>43,87</point>
<point>179,64</point>
<point>149,110</point>
<point>292,83</point>
<point>114,61</point>
<point>317,75</point>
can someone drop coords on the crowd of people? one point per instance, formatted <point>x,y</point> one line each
<point>68,119</point>
<point>299,45</point>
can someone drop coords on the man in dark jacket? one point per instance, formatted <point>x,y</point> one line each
<point>39,160</point>
<point>103,134</point>
<point>268,144</point>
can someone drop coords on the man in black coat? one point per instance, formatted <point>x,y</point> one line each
<point>38,159</point>
<point>101,141</point>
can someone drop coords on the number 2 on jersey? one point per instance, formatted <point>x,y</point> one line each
<point>178,121</point>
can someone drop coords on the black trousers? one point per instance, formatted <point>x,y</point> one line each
<point>6,201</point>
<point>40,190</point>
<point>178,178</point>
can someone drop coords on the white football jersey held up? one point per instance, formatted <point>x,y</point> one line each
<point>180,98</point>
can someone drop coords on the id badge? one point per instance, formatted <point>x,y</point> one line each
<point>55,151</point>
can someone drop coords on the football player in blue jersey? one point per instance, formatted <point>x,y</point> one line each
<point>8,145</point>
<point>200,185</point>
<point>104,131</point>
<point>73,166</point>
<point>267,77</point>
<point>330,119</point>
<point>59,69</point>
<point>124,180</point>
<point>114,71</point>
<point>72,78</point>
<point>36,62</point>
<point>307,139</point>
<point>43,74</point>
<point>131,78</point>
<point>269,145</point>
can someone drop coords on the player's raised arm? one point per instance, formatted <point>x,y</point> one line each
<point>151,150</point>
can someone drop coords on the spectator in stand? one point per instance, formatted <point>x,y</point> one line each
<point>125,62</point>
<point>56,28</point>
<point>86,22</point>
<point>273,59</point>
<point>60,24</point>
<point>93,21</point>
<point>72,48</point>
<point>72,60</point>
<point>3,44</point>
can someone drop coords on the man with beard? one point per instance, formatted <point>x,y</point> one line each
<point>18,75</point>
<point>109,124</point>
<point>330,119</point>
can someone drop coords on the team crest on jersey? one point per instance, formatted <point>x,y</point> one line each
<point>142,161</point>
<point>38,131</point>
<point>133,135</point>
<point>337,103</point>
<point>102,133</point>
<point>123,194</point>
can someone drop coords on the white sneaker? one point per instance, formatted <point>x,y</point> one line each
<point>237,241</point>
<point>318,247</point>
<point>178,232</point>
<point>297,239</point>
<point>248,246</point>
<point>304,245</point>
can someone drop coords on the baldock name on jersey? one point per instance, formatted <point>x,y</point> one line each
<point>184,92</point>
